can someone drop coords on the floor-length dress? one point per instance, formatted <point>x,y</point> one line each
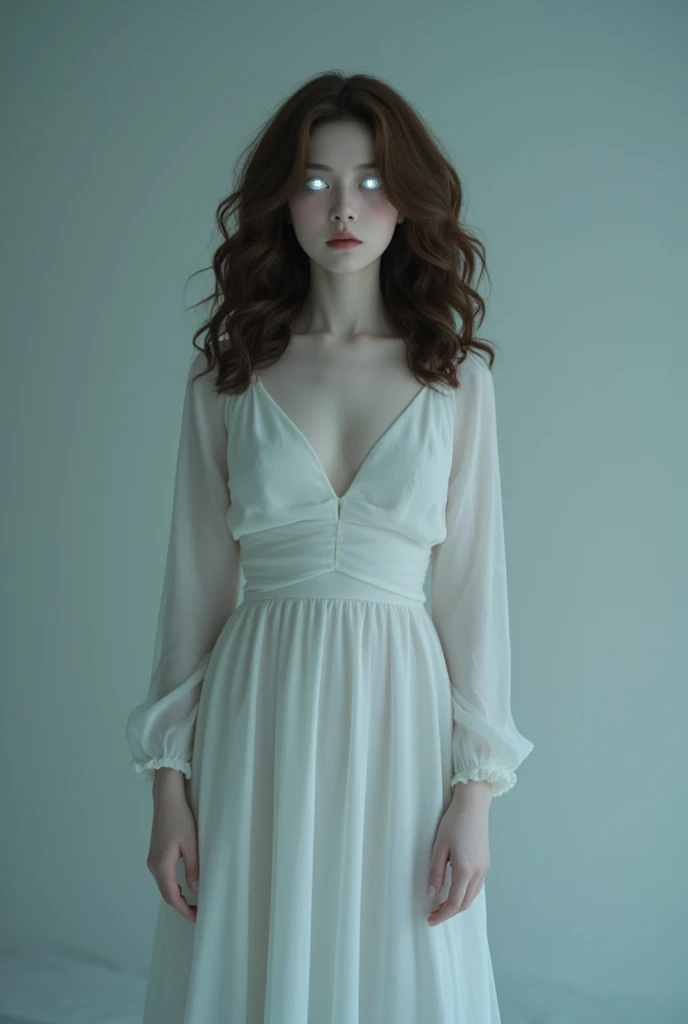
<point>328,715</point>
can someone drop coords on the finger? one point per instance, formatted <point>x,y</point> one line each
<point>178,902</point>
<point>190,858</point>
<point>171,892</point>
<point>438,871</point>
<point>472,891</point>
<point>186,909</point>
<point>457,891</point>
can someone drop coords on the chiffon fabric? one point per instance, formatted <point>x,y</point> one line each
<point>322,721</point>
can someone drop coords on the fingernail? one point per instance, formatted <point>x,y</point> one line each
<point>431,890</point>
<point>194,886</point>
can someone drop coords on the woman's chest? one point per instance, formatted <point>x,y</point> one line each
<point>342,408</point>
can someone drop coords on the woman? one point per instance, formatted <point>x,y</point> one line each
<point>345,744</point>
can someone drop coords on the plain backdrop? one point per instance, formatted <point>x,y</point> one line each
<point>121,123</point>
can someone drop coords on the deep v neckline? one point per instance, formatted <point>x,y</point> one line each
<point>316,458</point>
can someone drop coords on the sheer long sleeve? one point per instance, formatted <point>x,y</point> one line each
<point>200,587</point>
<point>469,606</point>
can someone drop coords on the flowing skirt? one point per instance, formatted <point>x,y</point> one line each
<point>321,770</point>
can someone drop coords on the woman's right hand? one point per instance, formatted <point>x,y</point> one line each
<point>174,835</point>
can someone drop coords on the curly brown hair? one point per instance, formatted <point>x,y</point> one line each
<point>262,274</point>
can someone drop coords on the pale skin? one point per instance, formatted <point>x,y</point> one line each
<point>344,316</point>
<point>173,835</point>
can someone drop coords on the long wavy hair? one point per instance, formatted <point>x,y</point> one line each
<point>262,274</point>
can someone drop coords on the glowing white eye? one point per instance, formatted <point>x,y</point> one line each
<point>370,178</point>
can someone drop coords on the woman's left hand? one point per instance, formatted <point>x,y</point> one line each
<point>462,839</point>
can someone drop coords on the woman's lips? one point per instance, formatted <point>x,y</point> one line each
<point>343,243</point>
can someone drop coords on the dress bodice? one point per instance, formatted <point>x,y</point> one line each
<point>291,524</point>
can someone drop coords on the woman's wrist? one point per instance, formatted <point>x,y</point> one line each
<point>467,789</point>
<point>168,781</point>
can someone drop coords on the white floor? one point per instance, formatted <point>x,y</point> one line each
<point>58,984</point>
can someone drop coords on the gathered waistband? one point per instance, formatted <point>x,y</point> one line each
<point>334,584</point>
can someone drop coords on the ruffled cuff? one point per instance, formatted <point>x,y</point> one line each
<point>502,779</point>
<point>146,771</point>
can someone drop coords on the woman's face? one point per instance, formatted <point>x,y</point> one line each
<point>339,195</point>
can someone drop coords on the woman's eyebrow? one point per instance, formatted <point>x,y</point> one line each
<point>324,167</point>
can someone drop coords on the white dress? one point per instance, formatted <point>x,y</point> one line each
<point>322,722</point>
